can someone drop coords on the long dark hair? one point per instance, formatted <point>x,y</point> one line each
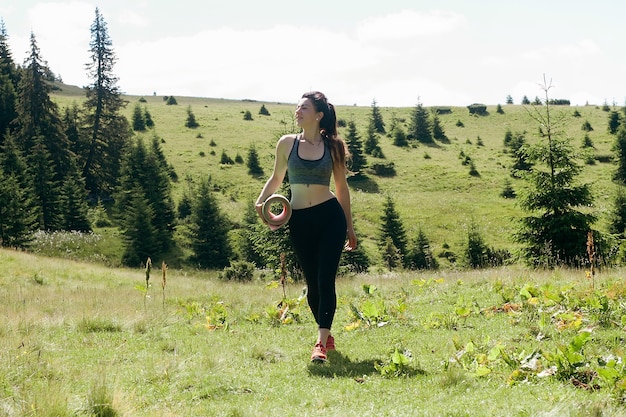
<point>328,126</point>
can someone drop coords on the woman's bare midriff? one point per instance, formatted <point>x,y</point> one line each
<point>309,195</point>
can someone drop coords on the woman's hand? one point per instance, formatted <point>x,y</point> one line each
<point>351,243</point>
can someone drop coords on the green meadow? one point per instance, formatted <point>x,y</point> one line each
<point>432,189</point>
<point>81,336</point>
<point>80,339</point>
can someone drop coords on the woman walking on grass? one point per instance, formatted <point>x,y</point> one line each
<point>320,220</point>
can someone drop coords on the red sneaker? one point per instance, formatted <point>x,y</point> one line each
<point>330,343</point>
<point>319,353</point>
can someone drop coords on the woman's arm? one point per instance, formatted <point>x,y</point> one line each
<point>343,196</point>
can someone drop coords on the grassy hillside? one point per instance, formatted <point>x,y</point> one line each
<point>433,190</point>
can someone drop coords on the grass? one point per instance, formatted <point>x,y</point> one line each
<point>436,194</point>
<point>79,339</point>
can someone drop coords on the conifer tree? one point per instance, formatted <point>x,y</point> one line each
<point>371,146</point>
<point>139,122</point>
<point>353,142</point>
<point>144,171</point>
<point>18,212</point>
<point>38,116</point>
<point>140,240</point>
<point>420,255</point>
<point>76,208</point>
<point>554,230</point>
<point>47,190</point>
<point>376,118</point>
<point>392,229</point>
<point>420,128</point>
<point>253,164</point>
<point>209,230</point>
<point>438,130</point>
<point>620,149</point>
<point>8,83</point>
<point>191,119</point>
<point>107,131</point>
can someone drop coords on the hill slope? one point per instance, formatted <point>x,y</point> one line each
<point>432,188</point>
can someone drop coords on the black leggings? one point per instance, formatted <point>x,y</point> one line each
<point>318,235</point>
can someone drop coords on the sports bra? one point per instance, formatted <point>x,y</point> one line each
<point>305,171</point>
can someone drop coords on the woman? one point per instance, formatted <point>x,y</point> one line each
<point>320,219</point>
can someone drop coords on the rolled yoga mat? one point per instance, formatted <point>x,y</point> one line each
<point>276,221</point>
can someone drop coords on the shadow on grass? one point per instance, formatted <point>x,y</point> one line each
<point>364,183</point>
<point>340,366</point>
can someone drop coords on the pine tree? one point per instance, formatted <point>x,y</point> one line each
<point>391,228</point>
<point>159,191</point>
<point>353,142</point>
<point>209,230</point>
<point>107,130</point>
<point>617,217</point>
<point>191,119</point>
<point>420,129</point>
<point>376,119</point>
<point>140,241</point>
<point>139,122</point>
<point>420,255</point>
<point>145,172</point>
<point>620,149</point>
<point>38,115</point>
<point>554,231</point>
<point>371,146</point>
<point>253,164</point>
<point>8,83</point>
<point>76,209</point>
<point>438,131</point>
<point>47,190</point>
<point>18,212</point>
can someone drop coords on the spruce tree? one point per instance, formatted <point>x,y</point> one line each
<point>371,146</point>
<point>554,230</point>
<point>48,194</point>
<point>253,164</point>
<point>18,211</point>
<point>209,230</point>
<point>420,255</point>
<point>140,241</point>
<point>145,172</point>
<point>353,142</point>
<point>438,130</point>
<point>392,229</point>
<point>139,122</point>
<point>8,83</point>
<point>191,119</point>
<point>76,208</point>
<point>420,128</point>
<point>620,150</point>
<point>38,115</point>
<point>107,131</point>
<point>376,118</point>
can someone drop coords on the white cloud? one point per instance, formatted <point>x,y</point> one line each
<point>62,34</point>
<point>408,24</point>
<point>132,18</point>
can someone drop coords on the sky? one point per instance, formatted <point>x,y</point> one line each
<point>397,53</point>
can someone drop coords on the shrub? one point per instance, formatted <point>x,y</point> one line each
<point>238,271</point>
<point>383,169</point>
<point>476,108</point>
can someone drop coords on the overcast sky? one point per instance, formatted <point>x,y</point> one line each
<point>397,52</point>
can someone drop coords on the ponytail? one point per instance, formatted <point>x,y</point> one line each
<point>328,126</point>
